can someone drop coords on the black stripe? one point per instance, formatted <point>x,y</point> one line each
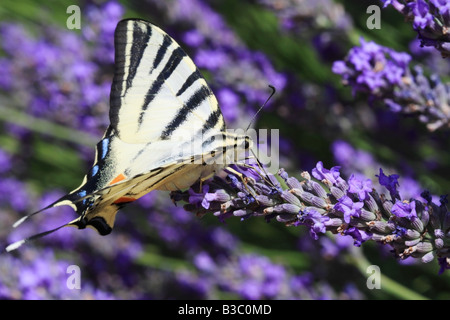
<point>189,81</point>
<point>169,174</point>
<point>159,169</point>
<point>212,120</point>
<point>211,139</point>
<point>139,43</point>
<point>174,60</point>
<point>117,84</point>
<point>161,51</point>
<point>194,101</point>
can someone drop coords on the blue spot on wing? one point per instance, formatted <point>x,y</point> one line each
<point>93,171</point>
<point>104,147</point>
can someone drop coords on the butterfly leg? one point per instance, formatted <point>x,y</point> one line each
<point>243,178</point>
<point>203,179</point>
<point>261,172</point>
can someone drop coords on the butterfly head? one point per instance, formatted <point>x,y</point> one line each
<point>98,217</point>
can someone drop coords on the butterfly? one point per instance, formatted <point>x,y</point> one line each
<point>166,130</point>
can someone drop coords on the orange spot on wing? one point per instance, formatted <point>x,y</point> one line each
<point>124,200</point>
<point>119,178</point>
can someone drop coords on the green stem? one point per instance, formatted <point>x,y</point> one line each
<point>42,126</point>
<point>387,284</point>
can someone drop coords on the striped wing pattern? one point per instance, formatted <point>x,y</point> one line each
<point>157,88</point>
<point>159,102</point>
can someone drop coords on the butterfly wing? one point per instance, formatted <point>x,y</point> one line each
<point>164,121</point>
<point>157,89</point>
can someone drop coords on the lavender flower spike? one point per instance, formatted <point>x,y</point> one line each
<point>430,19</point>
<point>384,75</point>
<point>411,227</point>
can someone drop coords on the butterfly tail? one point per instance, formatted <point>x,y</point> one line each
<point>18,244</point>
<point>65,200</point>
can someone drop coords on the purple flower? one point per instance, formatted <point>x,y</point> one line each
<point>211,59</point>
<point>14,193</point>
<point>333,247</point>
<point>193,38</point>
<point>320,173</point>
<point>250,290</point>
<point>5,72</point>
<point>390,182</point>
<point>349,208</point>
<point>204,262</point>
<point>372,68</point>
<point>196,198</point>
<point>313,219</point>
<point>218,195</point>
<point>360,187</point>
<point>431,20</point>
<point>405,209</point>
<point>359,236</point>
<point>340,67</point>
<point>261,278</point>
<point>385,75</point>
<point>422,16</point>
<point>229,103</point>
<point>5,162</point>
<point>442,5</point>
<point>444,263</point>
<point>394,3</point>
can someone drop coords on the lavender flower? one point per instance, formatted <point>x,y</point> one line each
<point>295,15</point>
<point>405,209</point>
<point>40,276</point>
<point>431,20</point>
<point>251,276</point>
<point>411,227</point>
<point>372,68</point>
<point>390,183</point>
<point>360,187</point>
<point>385,75</point>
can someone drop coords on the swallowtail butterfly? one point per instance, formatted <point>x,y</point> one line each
<point>159,106</point>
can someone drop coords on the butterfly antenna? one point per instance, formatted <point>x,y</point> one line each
<point>260,108</point>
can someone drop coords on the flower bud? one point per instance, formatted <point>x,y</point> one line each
<point>297,192</point>
<point>412,234</point>
<point>305,175</point>
<point>411,243</point>
<point>387,205</point>
<point>289,197</point>
<point>371,203</point>
<point>439,243</point>
<point>293,183</point>
<point>417,224</point>
<point>336,192</point>
<point>428,257</point>
<point>381,226</point>
<point>367,215</point>
<point>240,212</point>
<point>286,218</point>
<point>423,247</point>
<point>317,189</point>
<point>334,222</point>
<point>287,207</point>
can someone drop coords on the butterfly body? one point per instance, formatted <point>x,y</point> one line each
<point>166,130</point>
